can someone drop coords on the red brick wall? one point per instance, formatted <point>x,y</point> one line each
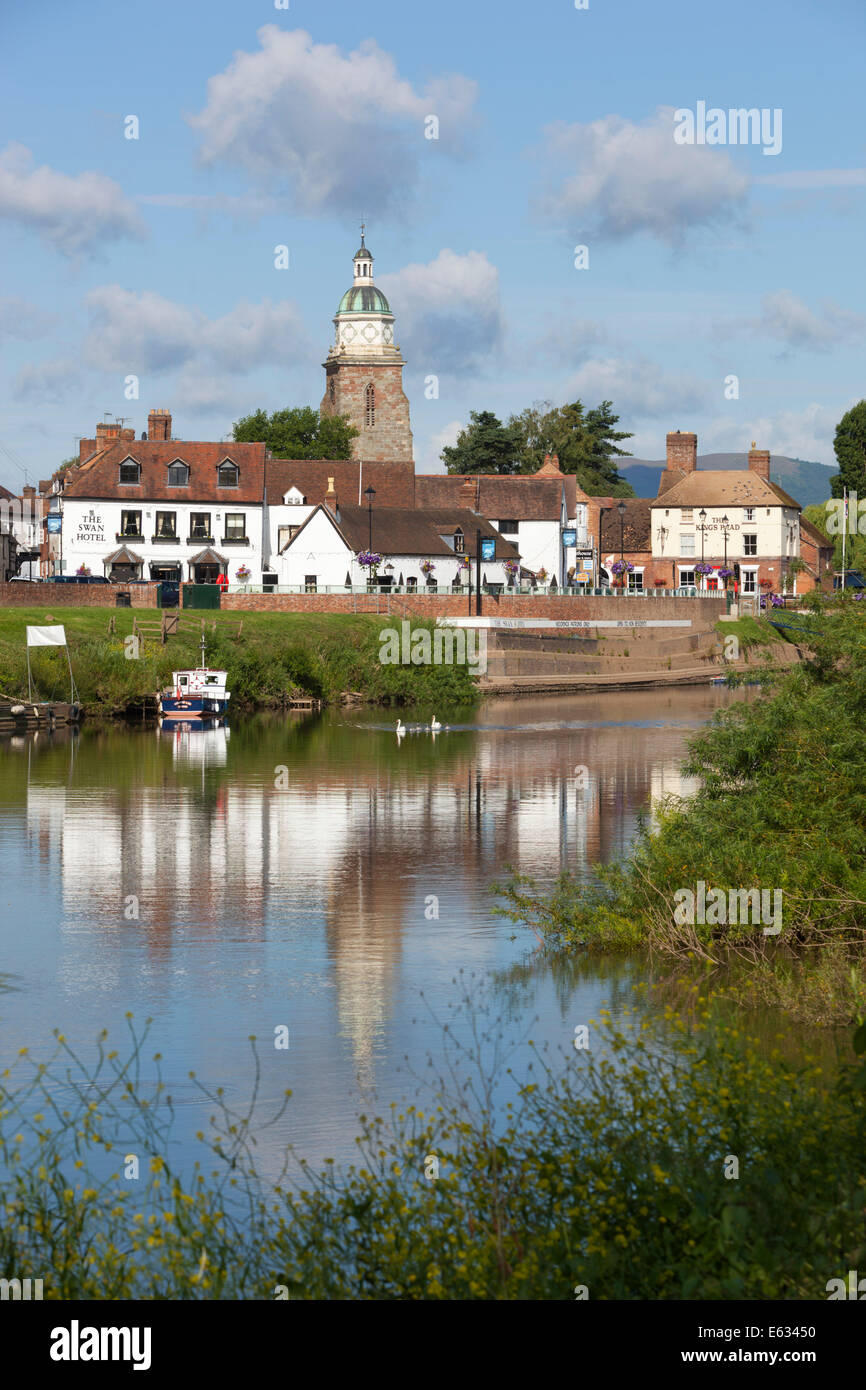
<point>50,596</point>
<point>702,611</point>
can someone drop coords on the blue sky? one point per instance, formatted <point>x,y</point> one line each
<point>261,127</point>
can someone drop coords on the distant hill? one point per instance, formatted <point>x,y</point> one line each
<point>806,482</point>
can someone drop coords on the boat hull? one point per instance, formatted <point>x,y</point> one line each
<point>192,707</point>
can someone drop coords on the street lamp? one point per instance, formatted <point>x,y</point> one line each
<point>726,527</point>
<point>703,529</point>
<point>370,493</point>
<point>621,510</point>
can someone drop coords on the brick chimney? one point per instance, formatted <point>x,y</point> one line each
<point>682,451</point>
<point>467,494</point>
<point>158,424</point>
<point>550,468</point>
<point>331,497</point>
<point>106,433</point>
<point>759,462</point>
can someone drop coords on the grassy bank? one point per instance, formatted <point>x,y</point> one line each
<point>608,1179</point>
<point>781,810</point>
<point>278,656</point>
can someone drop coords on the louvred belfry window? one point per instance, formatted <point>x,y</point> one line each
<point>370,406</point>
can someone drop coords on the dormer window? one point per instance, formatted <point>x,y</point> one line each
<point>293,498</point>
<point>130,471</point>
<point>227,474</point>
<point>178,474</point>
<point>459,542</point>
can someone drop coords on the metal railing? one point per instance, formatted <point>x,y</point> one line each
<point>523,591</point>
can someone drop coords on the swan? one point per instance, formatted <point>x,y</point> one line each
<point>400,728</point>
<point>434,725</point>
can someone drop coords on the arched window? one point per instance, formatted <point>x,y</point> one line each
<point>227,475</point>
<point>370,406</point>
<point>178,474</point>
<point>332,390</point>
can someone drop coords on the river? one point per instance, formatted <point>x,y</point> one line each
<point>320,876</point>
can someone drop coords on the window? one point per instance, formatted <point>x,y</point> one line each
<point>370,406</point>
<point>284,535</point>
<point>236,526</point>
<point>332,390</point>
<point>687,578</point>
<point>749,513</point>
<point>635,582</point>
<point>459,542</point>
<point>311,583</point>
<point>508,528</point>
<point>166,526</point>
<point>130,523</point>
<point>411,581</point>
<point>199,526</point>
<point>687,542</point>
<point>178,474</point>
<point>750,544</point>
<point>130,471</point>
<point>227,474</point>
<point>750,581</point>
<point>687,515</point>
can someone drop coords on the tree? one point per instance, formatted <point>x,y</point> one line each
<point>855,544</point>
<point>485,445</point>
<point>849,446</point>
<point>299,433</point>
<point>587,443</point>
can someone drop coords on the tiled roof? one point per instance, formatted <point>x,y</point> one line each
<point>811,533</point>
<point>636,525</point>
<point>721,487</point>
<point>519,497</point>
<point>98,476</point>
<point>405,531</point>
<point>394,482</point>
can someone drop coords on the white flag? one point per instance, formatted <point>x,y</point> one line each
<point>46,636</point>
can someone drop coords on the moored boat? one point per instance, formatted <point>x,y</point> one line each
<point>196,694</point>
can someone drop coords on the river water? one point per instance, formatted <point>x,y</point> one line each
<point>321,876</point>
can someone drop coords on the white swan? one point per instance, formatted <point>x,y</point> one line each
<point>434,725</point>
<point>400,729</point>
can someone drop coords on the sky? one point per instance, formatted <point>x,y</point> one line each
<point>721,289</point>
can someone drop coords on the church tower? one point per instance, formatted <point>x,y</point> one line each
<point>364,371</point>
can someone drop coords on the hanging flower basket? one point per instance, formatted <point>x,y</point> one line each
<point>242,574</point>
<point>369,559</point>
<point>703,569</point>
<point>541,575</point>
<point>428,569</point>
<point>83,571</point>
<point>622,567</point>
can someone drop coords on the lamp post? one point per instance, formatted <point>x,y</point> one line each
<point>702,528</point>
<point>621,509</point>
<point>726,526</point>
<point>370,493</point>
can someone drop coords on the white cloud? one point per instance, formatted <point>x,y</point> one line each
<point>568,340</point>
<point>616,179</point>
<point>636,387</point>
<point>46,382</point>
<point>345,129</point>
<point>429,460</point>
<point>787,318</point>
<point>448,312</point>
<point>132,333</point>
<point>20,319</point>
<point>803,434</point>
<point>73,213</point>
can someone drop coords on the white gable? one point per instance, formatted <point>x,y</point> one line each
<point>294,497</point>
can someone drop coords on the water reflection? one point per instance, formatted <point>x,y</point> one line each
<point>316,872</point>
